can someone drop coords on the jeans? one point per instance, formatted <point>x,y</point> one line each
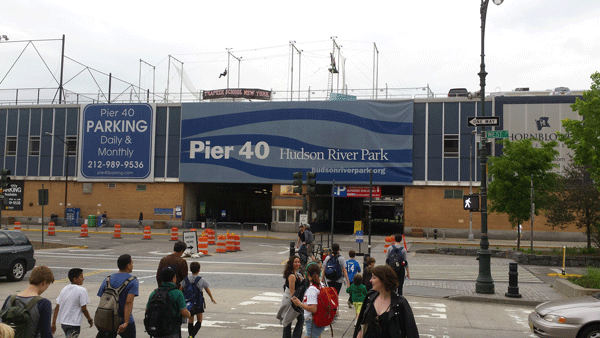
<point>287,331</point>
<point>70,330</point>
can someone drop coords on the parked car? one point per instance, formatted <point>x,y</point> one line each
<point>458,92</point>
<point>561,91</point>
<point>16,255</point>
<point>567,318</point>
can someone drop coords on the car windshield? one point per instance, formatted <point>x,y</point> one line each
<point>18,238</point>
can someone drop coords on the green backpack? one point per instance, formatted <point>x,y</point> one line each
<point>21,316</point>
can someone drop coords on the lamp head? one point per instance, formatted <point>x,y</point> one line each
<point>498,2</point>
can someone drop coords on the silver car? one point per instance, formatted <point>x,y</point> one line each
<point>567,318</point>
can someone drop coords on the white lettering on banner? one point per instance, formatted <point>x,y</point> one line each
<point>119,126</point>
<point>287,154</point>
<point>337,155</point>
<point>374,156</point>
<point>115,152</point>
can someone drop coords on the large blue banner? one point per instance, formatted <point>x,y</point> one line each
<point>267,142</point>
<point>117,142</point>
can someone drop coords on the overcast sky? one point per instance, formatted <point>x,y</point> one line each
<point>540,44</point>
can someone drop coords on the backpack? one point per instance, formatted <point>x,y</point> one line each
<point>333,269</point>
<point>397,262</point>
<point>159,319</point>
<point>327,306</point>
<point>299,293</point>
<point>194,298</point>
<point>107,317</point>
<point>21,316</point>
<point>308,236</point>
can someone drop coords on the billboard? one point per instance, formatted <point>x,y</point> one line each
<point>117,143</point>
<point>268,142</point>
<point>13,195</point>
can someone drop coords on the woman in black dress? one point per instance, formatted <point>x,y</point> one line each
<point>384,313</point>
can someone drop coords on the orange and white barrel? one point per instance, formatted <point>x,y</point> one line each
<point>117,232</point>
<point>84,230</point>
<point>229,246</point>
<point>174,234</point>
<point>17,226</point>
<point>388,243</point>
<point>203,245</point>
<point>211,236</point>
<point>51,229</point>
<point>404,240</point>
<point>147,232</point>
<point>221,244</point>
<point>236,243</point>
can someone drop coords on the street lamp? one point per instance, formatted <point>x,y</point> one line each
<point>66,168</point>
<point>471,183</point>
<point>485,283</point>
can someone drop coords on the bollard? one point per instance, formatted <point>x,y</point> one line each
<point>292,249</point>
<point>175,233</point>
<point>117,231</point>
<point>51,229</point>
<point>147,232</point>
<point>513,281</point>
<point>434,233</point>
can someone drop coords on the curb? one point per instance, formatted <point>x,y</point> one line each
<point>505,301</point>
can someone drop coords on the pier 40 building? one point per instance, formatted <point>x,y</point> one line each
<point>184,164</point>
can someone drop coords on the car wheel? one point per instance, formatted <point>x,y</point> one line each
<point>591,331</point>
<point>16,272</point>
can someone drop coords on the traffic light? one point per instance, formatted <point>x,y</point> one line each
<point>297,182</point>
<point>311,182</point>
<point>5,180</point>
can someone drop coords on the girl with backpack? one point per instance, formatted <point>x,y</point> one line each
<point>286,313</point>
<point>384,313</point>
<point>309,304</point>
<point>334,269</point>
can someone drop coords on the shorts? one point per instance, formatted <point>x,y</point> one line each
<point>313,331</point>
<point>358,306</point>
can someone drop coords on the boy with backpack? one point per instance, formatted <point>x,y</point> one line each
<point>192,290</point>
<point>165,308</point>
<point>335,269</point>
<point>27,312</point>
<point>117,292</point>
<point>397,259</point>
<point>353,267</point>
<point>70,304</point>
<point>319,304</point>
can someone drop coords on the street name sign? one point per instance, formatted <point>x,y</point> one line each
<point>475,121</point>
<point>496,134</point>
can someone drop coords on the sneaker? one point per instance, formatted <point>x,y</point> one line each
<point>349,304</point>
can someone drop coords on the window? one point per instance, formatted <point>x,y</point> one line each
<point>34,146</point>
<point>141,187</point>
<point>71,145</point>
<point>11,145</point>
<point>453,193</point>
<point>285,215</point>
<point>450,145</point>
<point>112,185</point>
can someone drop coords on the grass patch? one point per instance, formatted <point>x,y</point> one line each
<point>570,251</point>
<point>590,280</point>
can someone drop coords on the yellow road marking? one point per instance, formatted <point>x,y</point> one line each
<point>85,274</point>
<point>563,276</point>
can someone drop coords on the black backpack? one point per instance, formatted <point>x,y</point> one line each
<point>21,316</point>
<point>333,269</point>
<point>299,293</point>
<point>194,299</point>
<point>396,261</point>
<point>159,319</point>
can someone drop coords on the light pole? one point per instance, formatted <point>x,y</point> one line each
<point>484,283</point>
<point>471,182</point>
<point>66,168</point>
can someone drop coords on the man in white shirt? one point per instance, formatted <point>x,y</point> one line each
<point>70,304</point>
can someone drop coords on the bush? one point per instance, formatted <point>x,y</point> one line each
<point>590,280</point>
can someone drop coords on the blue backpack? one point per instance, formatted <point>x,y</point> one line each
<point>333,269</point>
<point>194,298</point>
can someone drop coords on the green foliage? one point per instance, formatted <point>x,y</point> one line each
<point>590,280</point>
<point>584,137</point>
<point>510,190</point>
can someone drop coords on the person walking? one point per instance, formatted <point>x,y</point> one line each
<point>353,267</point>
<point>71,304</point>
<point>287,314</point>
<point>358,291</point>
<point>310,301</point>
<point>397,259</point>
<point>196,309</point>
<point>103,220</point>
<point>384,313</point>
<point>141,219</point>
<point>177,305</point>
<point>41,311</point>
<point>370,264</point>
<point>334,271</point>
<point>174,259</point>
<point>127,327</point>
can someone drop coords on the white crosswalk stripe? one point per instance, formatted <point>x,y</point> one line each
<point>467,273</point>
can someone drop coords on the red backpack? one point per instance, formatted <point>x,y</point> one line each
<point>327,306</point>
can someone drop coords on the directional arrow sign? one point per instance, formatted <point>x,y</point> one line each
<point>475,121</point>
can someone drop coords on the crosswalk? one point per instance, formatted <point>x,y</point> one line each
<point>467,273</point>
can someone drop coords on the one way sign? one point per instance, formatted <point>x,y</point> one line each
<point>474,121</point>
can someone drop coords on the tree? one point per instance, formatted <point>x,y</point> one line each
<point>583,137</point>
<point>576,200</point>
<point>510,190</point>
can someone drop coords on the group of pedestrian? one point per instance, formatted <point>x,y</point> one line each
<point>180,293</point>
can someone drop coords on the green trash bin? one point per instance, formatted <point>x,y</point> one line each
<point>91,220</point>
